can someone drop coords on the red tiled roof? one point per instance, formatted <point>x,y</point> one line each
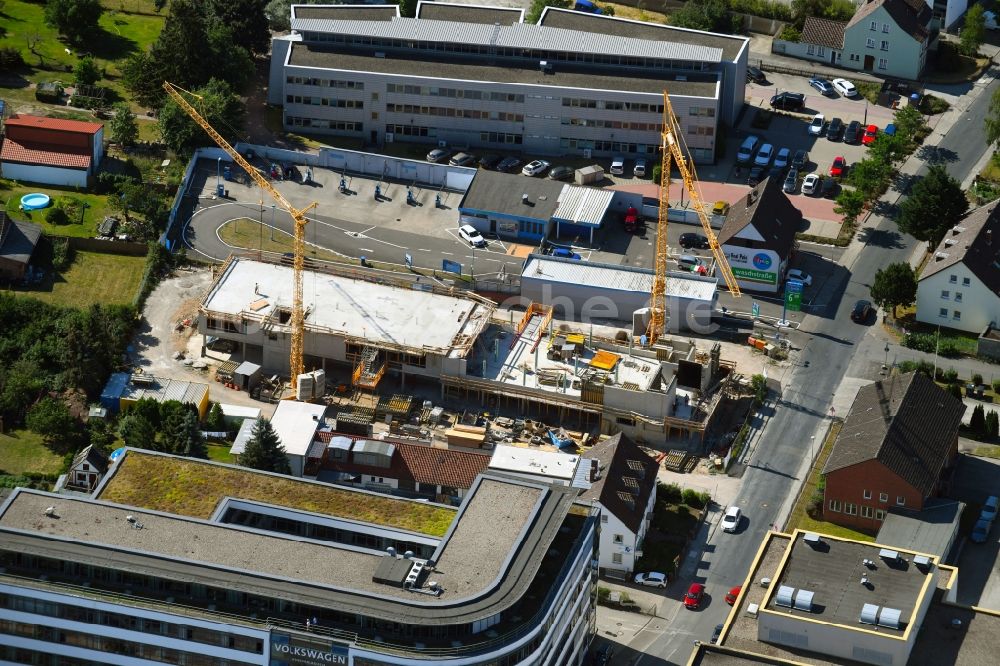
<point>55,124</point>
<point>43,154</point>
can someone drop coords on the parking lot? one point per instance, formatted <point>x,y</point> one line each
<point>978,573</point>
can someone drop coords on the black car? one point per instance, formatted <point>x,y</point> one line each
<point>509,164</point>
<point>788,101</point>
<point>602,655</point>
<point>756,175</point>
<point>834,129</point>
<point>754,75</point>
<point>862,311</point>
<point>561,173</point>
<point>690,240</point>
<point>853,132</point>
<point>800,160</point>
<point>829,188</point>
<point>489,161</point>
<point>716,634</point>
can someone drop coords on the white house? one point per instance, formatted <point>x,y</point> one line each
<point>959,286</point>
<point>53,151</point>
<point>295,424</point>
<point>623,482</point>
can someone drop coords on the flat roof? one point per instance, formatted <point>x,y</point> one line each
<point>443,11</point>
<point>616,277</point>
<point>932,530</point>
<point>357,12</point>
<point>530,461</point>
<point>239,411</point>
<point>833,569</point>
<point>373,313</point>
<point>295,423</point>
<point>496,192</point>
<point>418,64</point>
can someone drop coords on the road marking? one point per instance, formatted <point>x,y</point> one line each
<point>422,249</point>
<point>448,253</point>
<point>366,249</point>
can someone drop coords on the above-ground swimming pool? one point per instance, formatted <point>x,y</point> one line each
<point>34,201</point>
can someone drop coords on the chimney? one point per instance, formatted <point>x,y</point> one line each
<point>989,237</point>
<point>595,471</point>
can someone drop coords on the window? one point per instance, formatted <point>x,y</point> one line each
<point>958,297</point>
<point>619,539</point>
<point>810,50</point>
<point>879,514</point>
<point>850,509</point>
<point>835,505</point>
<point>883,497</point>
<point>900,500</point>
<point>820,51</point>
<point>604,517</point>
<point>625,420</point>
<point>616,558</point>
<point>870,43</point>
<point>946,294</point>
<point>953,279</point>
<point>966,282</point>
<point>885,45</point>
<point>874,25</point>
<point>956,315</point>
<point>867,494</point>
<point>943,312</point>
<point>883,63</point>
<point>374,96</point>
<point>866,511</point>
<point>855,57</point>
<point>885,27</point>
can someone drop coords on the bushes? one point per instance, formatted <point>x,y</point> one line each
<point>790,34</point>
<point>931,105</point>
<point>10,59</point>
<point>668,493</point>
<point>695,499</point>
<point>923,367</point>
<point>62,254</point>
<point>56,216</point>
<point>927,342</point>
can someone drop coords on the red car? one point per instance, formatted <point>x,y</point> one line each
<point>693,597</point>
<point>870,133</point>
<point>733,595</point>
<point>838,167</point>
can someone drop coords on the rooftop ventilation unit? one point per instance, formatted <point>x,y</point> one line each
<point>888,555</point>
<point>889,617</point>
<point>765,582</point>
<point>752,610</point>
<point>50,511</point>
<point>923,562</point>
<point>869,614</point>
<point>811,538</point>
<point>784,597</point>
<point>804,600</point>
<point>390,551</point>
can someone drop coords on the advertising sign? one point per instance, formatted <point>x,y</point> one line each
<point>753,265</point>
<point>793,295</point>
<point>298,651</point>
<point>451,266</point>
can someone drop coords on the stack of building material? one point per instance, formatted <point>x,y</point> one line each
<point>466,435</point>
<point>356,422</point>
<point>398,406</point>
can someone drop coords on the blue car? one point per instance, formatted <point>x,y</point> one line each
<point>981,531</point>
<point>565,253</point>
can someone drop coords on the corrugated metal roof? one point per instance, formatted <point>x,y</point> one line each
<point>583,205</point>
<point>242,437</point>
<point>374,446</point>
<point>610,276</point>
<point>518,36</point>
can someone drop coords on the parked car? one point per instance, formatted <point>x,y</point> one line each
<point>489,161</point>
<point>845,87</point>
<point>839,167</point>
<point>756,175</point>
<point>438,155</point>
<point>602,655</point>
<point>720,208</point>
<point>788,101</point>
<point>755,75</point>
<point>691,240</point>
<point>823,86</point>
<point>801,159</point>
<point>689,263</point>
<point>989,511</point>
<point>561,173</point>
<point>471,235</point>
<point>791,181</point>
<point>651,579</point>
<point>731,520</point>
<point>981,532</point>
<point>834,129</point>
<point>747,149</point>
<point>782,158</point>
<point>817,124</point>
<point>810,183</point>
<point>617,166</point>
<point>799,276</point>
<point>639,170</point>
<point>853,132</point>
<point>829,188</point>
<point>535,167</point>
<point>462,159</point>
<point>733,594</point>
<point>764,155</point>
<point>692,599</point>
<point>508,164</point>
<point>717,633</point>
<point>871,132</point>
<point>862,311</point>
<point>566,253</point>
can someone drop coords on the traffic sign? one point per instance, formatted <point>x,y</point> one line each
<point>793,295</point>
<point>755,310</point>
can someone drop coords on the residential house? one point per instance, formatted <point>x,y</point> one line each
<point>623,482</point>
<point>893,450</point>
<point>17,245</point>
<point>960,285</point>
<point>890,38</point>
<point>758,237</point>
<point>53,151</point>
<point>86,470</point>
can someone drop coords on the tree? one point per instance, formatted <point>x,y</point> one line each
<point>908,121</point>
<point>50,418</point>
<point>86,72</point>
<point>220,106</point>
<point>123,127</point>
<point>973,31</point>
<point>992,120</point>
<point>711,15</point>
<point>246,21</point>
<point>870,177</point>
<point>136,431</point>
<point>894,285</point>
<point>216,420</point>
<point>992,425</point>
<point>76,19</point>
<point>180,434</point>
<point>850,205</point>
<point>977,422</point>
<point>264,450</point>
<point>538,6</point>
<point>935,205</point>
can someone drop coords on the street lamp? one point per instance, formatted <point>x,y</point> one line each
<point>885,365</point>
<point>272,221</point>
<point>218,176</point>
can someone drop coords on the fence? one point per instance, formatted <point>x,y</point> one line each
<point>169,234</point>
<point>127,248</point>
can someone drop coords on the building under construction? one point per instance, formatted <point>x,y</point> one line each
<point>361,326</point>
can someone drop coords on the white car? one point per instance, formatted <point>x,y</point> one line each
<point>651,579</point>
<point>469,234</point>
<point>731,520</point>
<point>817,125</point>
<point>845,87</point>
<point>617,166</point>
<point>782,158</point>
<point>764,155</point>
<point>535,168</point>
<point>810,184</point>
<point>804,278</point>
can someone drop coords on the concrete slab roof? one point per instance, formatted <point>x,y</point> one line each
<point>295,423</point>
<point>530,461</point>
<point>561,75</point>
<point>379,314</point>
<point>931,531</point>
<point>444,11</point>
<point>502,193</point>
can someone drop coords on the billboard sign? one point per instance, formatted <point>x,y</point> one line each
<point>753,265</point>
<point>300,651</point>
<point>451,266</point>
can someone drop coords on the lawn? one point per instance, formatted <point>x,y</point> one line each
<point>94,277</point>
<point>220,453</point>
<point>800,519</point>
<point>97,208</point>
<point>192,488</point>
<point>22,451</point>
<point>247,234</point>
<point>987,451</point>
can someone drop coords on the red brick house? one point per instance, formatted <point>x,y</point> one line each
<point>894,449</point>
<point>53,151</point>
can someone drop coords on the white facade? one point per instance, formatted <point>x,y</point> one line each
<point>956,298</point>
<point>46,175</point>
<point>620,547</point>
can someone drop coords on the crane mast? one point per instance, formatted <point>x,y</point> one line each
<point>673,152</point>
<point>297,320</point>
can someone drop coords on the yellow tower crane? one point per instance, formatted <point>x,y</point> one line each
<point>297,322</point>
<point>674,149</point>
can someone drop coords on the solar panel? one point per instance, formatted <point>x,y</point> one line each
<point>804,600</point>
<point>889,617</point>
<point>869,614</point>
<point>784,597</point>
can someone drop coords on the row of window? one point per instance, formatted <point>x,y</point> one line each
<point>608,146</point>
<point>449,112</point>
<point>883,63</point>
<point>884,46</point>
<point>956,315</point>
<point>953,279</point>
<point>612,124</point>
<point>851,509</point>
<point>816,50</point>
<point>946,295</point>
<point>884,497</point>
<point>874,26</point>
<point>458,93</point>
<point>634,107</point>
<point>323,123</point>
<point>325,101</point>
<point>325,83</point>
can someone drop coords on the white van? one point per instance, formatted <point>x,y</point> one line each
<point>617,166</point>
<point>639,170</point>
<point>747,149</point>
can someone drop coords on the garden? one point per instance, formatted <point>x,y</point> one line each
<point>677,515</point>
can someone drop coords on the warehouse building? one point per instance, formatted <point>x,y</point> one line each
<point>224,566</point>
<point>477,77</point>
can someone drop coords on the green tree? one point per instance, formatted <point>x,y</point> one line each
<point>86,72</point>
<point>894,285</point>
<point>908,121</point>
<point>849,204</point>
<point>50,418</point>
<point>710,15</point>
<point>977,422</point>
<point>215,421</point>
<point>408,8</point>
<point>56,216</point>
<point>150,410</point>
<point>75,19</point>
<point>100,435</point>
<point>123,127</point>
<point>180,433</point>
<point>220,106</point>
<point>973,31</point>
<point>992,425</point>
<point>992,121</point>
<point>758,384</point>
<point>538,6</point>
<point>136,431</point>
<point>870,177</point>
<point>246,20</point>
<point>264,450</point>
<point>935,205</point>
